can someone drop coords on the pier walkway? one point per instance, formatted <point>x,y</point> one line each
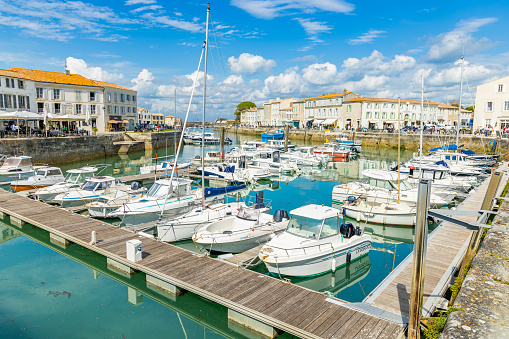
<point>447,246</point>
<point>287,307</point>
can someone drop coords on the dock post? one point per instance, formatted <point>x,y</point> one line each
<point>245,325</point>
<point>114,265</point>
<point>221,142</point>
<point>57,240</point>
<point>16,221</point>
<point>2,215</point>
<point>420,244</point>
<point>163,286</point>
<point>287,131</point>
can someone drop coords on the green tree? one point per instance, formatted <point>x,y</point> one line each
<point>470,108</point>
<point>242,107</point>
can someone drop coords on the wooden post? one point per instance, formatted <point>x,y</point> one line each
<point>287,131</point>
<point>420,244</point>
<point>221,142</point>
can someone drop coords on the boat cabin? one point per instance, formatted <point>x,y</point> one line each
<point>13,164</point>
<point>99,183</point>
<point>160,188</point>
<point>315,222</point>
<point>438,172</point>
<point>80,174</point>
<point>49,172</point>
<point>274,155</point>
<point>386,179</point>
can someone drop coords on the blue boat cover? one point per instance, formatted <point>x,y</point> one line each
<point>453,147</point>
<point>212,192</point>
<point>230,169</point>
<point>443,163</point>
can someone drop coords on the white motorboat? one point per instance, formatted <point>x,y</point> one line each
<point>315,242</point>
<point>255,143</point>
<point>390,213</point>
<point>16,168</point>
<point>250,227</point>
<point>333,150</point>
<point>383,186</point>
<point>210,139</point>
<point>114,198</point>
<point>305,156</point>
<point>73,180</point>
<point>170,198</point>
<point>223,170</point>
<point>90,191</point>
<point>183,227</point>
<point>210,157</point>
<point>164,166</point>
<point>279,145</point>
<point>43,177</point>
<point>440,176</point>
<point>271,160</point>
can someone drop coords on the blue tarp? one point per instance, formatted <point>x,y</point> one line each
<point>211,192</point>
<point>443,163</point>
<point>453,147</point>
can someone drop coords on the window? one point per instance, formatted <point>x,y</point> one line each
<point>39,93</point>
<point>128,109</point>
<point>369,105</point>
<point>304,227</point>
<point>122,110</point>
<point>21,101</point>
<point>413,116</point>
<point>384,115</point>
<point>413,106</point>
<point>500,88</point>
<point>109,109</point>
<point>56,94</point>
<point>78,95</point>
<point>128,97</point>
<point>377,105</point>
<point>368,115</point>
<point>92,96</point>
<point>385,106</point>
<point>121,97</point>
<point>115,97</point>
<point>109,96</point>
<point>330,227</point>
<point>57,108</point>
<point>40,107</point>
<point>506,105</point>
<point>78,109</point>
<point>8,82</point>
<point>92,109</point>
<point>349,108</point>
<point>377,116</point>
<point>489,106</point>
<point>8,101</point>
<point>21,84</point>
<point>393,105</point>
<point>134,110</point>
<point>392,115</point>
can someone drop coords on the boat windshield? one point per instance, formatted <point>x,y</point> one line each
<point>404,185</point>
<point>11,162</point>
<point>72,177</point>
<point>94,186</point>
<point>246,214</point>
<point>304,227</point>
<point>40,172</point>
<point>157,190</point>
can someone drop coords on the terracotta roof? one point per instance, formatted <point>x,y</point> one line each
<point>107,84</point>
<point>403,101</point>
<point>12,74</point>
<point>55,77</point>
<point>329,95</point>
<point>158,114</point>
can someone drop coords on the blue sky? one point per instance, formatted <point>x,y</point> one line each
<point>261,49</point>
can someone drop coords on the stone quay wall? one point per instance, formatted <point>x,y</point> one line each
<point>409,141</point>
<point>68,150</point>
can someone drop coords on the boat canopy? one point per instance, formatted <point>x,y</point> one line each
<point>316,211</point>
<point>212,192</point>
<point>17,161</point>
<point>383,175</point>
<point>453,147</point>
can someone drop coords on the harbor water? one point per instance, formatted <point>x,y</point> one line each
<point>51,292</point>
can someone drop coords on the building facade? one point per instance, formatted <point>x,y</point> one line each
<point>17,92</point>
<point>492,105</point>
<point>327,110</point>
<point>157,119</point>
<point>120,106</point>
<point>144,117</point>
<point>298,112</point>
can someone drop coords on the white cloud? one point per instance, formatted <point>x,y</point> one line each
<point>287,83</point>
<point>449,46</point>
<point>146,8</point>
<point>79,66</point>
<point>367,37</point>
<point>250,64</point>
<point>320,74</point>
<point>314,28</point>
<point>269,9</point>
<point>140,2</point>
<point>179,24</point>
<point>143,83</point>
<point>233,80</point>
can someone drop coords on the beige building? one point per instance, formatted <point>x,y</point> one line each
<point>492,105</point>
<point>157,118</point>
<point>298,112</point>
<point>327,110</point>
<point>171,121</point>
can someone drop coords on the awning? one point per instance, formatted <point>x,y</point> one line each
<point>114,122</point>
<point>125,121</point>
<point>317,122</point>
<point>328,122</point>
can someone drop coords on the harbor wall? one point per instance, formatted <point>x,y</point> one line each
<point>67,150</point>
<point>409,141</point>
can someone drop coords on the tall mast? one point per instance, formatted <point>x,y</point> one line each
<point>422,128</point>
<point>399,148</point>
<point>203,116</point>
<point>459,108</point>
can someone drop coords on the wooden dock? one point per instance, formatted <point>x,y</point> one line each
<point>447,246</point>
<point>283,306</point>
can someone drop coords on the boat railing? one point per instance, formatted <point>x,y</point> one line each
<point>324,247</point>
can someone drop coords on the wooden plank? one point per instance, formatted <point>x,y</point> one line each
<point>340,315</point>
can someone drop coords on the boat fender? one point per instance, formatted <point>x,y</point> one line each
<point>348,257</point>
<point>333,264</point>
<point>358,216</point>
<point>344,212</point>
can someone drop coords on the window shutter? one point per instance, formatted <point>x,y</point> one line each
<point>53,108</point>
<point>14,101</point>
<point>1,100</point>
<point>51,94</point>
<point>46,107</point>
<point>28,102</point>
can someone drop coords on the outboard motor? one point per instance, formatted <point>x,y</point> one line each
<point>358,231</point>
<point>354,150</point>
<point>280,214</point>
<point>117,181</point>
<point>276,157</point>
<point>351,199</point>
<point>347,229</point>
<point>135,185</point>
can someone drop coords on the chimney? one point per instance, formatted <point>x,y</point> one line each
<point>344,91</point>
<point>67,72</point>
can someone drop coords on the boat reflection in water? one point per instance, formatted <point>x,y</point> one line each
<point>335,282</point>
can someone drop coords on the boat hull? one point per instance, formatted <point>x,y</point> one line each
<point>400,219</point>
<point>335,154</point>
<point>306,266</point>
<point>19,188</point>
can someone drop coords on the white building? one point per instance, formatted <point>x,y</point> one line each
<point>120,105</point>
<point>492,105</point>
<point>279,111</point>
<point>144,117</point>
<point>17,92</point>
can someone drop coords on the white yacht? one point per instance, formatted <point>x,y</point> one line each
<point>43,177</point>
<point>271,160</point>
<point>250,227</point>
<point>315,242</point>
<point>90,191</point>
<point>305,156</point>
<point>113,198</point>
<point>73,180</point>
<point>163,166</point>
<point>382,186</point>
<point>386,213</point>
<point>172,202</point>
<point>183,227</point>
<point>222,170</point>
<point>17,168</point>
<point>440,176</point>
<point>280,145</point>
<point>210,157</point>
